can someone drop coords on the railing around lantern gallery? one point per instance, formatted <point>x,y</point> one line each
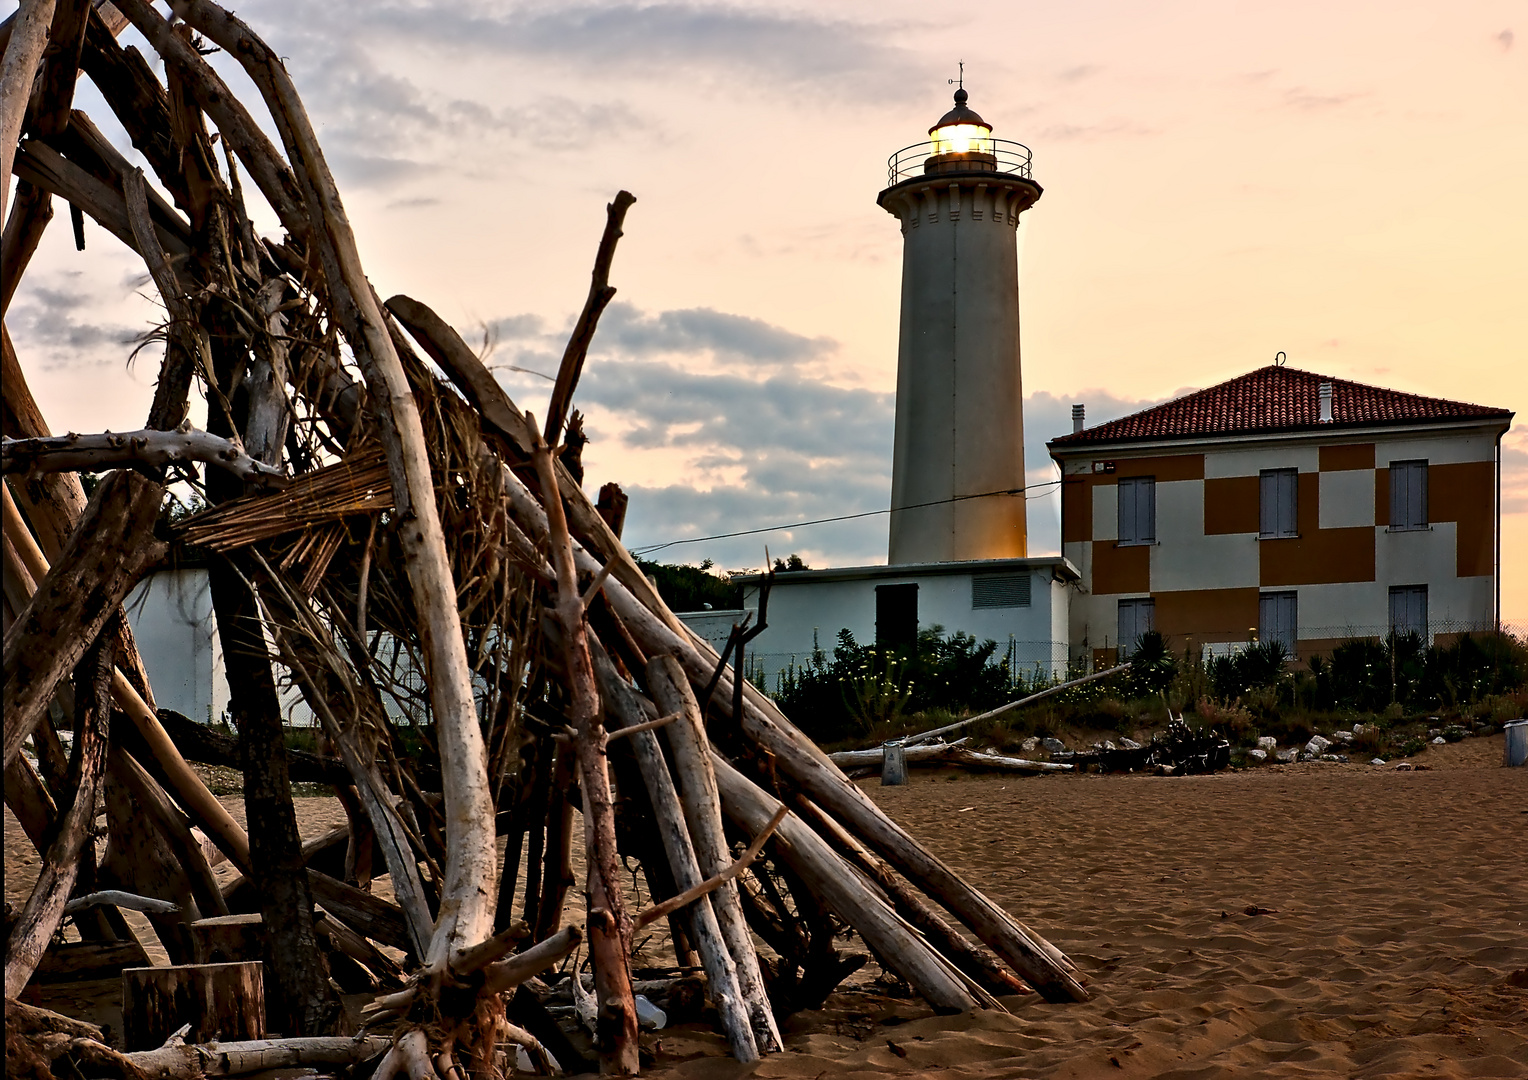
<point>988,155</point>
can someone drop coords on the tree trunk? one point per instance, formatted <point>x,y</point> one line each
<point>275,846</point>
<point>221,1002</point>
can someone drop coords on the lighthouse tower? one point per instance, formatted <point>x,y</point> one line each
<point>957,479</point>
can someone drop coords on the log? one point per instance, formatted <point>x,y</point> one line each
<point>23,54</point>
<point>107,555</point>
<point>29,216</point>
<point>176,1060</point>
<point>75,961</point>
<point>845,892</point>
<point>111,450</point>
<point>702,811</point>
<point>623,706</point>
<point>228,939</point>
<point>220,1002</point>
<point>873,757</point>
<point>60,68</point>
<point>44,167</point>
<point>24,1019</point>
<point>198,742</point>
<point>118,898</point>
<point>945,753</point>
<point>45,907</point>
<point>978,963</point>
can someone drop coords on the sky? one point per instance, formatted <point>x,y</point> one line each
<point>1341,181</point>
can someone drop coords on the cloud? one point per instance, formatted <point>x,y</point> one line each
<point>657,39</point>
<point>727,339</point>
<point>48,317</point>
<point>667,406</point>
<point>1311,101</point>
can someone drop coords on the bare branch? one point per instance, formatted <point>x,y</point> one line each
<point>111,450</point>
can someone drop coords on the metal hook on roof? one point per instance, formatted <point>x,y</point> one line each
<point>1279,359</point>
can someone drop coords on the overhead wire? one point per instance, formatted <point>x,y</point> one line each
<point>650,549</point>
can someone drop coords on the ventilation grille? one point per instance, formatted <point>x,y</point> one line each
<point>1000,590</point>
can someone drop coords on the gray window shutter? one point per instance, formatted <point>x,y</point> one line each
<point>1398,513</point>
<point>1146,509</point>
<point>1416,496</point>
<point>1277,494</point>
<point>1126,511</point>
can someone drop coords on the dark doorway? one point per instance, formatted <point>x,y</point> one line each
<point>896,616</point>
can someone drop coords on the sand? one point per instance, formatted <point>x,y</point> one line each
<point>1398,945</point>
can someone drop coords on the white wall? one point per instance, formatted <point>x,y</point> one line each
<point>171,616</point>
<point>810,609</point>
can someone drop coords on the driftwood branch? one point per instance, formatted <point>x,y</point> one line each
<point>600,295</point>
<point>111,450</point>
<point>1028,700</point>
<point>711,884</point>
<point>120,899</point>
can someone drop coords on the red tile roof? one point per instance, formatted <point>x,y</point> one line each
<point>1274,399</point>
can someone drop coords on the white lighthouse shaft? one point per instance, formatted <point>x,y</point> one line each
<point>958,464</point>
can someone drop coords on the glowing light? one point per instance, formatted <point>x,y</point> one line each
<point>963,139</point>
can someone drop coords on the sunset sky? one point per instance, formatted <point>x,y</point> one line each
<point>1343,181</point>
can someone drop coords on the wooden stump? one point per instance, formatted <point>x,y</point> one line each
<point>894,765</point>
<point>219,1001</point>
<point>228,939</point>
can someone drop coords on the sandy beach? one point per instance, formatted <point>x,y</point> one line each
<point>1397,943</point>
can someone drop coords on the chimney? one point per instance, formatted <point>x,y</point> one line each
<point>1326,403</point>
<point>1078,412</point>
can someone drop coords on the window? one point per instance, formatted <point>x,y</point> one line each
<point>1138,510</point>
<point>999,590</point>
<point>1277,502</point>
<point>896,616</point>
<point>1136,617</point>
<point>1278,619</point>
<point>1408,610</point>
<point>1408,495</point>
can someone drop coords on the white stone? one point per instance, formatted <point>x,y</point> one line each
<point>1268,743</point>
<point>1129,744</point>
<point>1439,741</point>
<point>1317,745</point>
<point>1054,745</point>
<point>1258,755</point>
<point>1288,755</point>
<point>1342,736</point>
<point>1377,761</point>
<point>1030,745</point>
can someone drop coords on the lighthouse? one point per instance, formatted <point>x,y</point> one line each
<point>957,479</point>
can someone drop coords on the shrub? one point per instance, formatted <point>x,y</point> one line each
<point>1152,667</point>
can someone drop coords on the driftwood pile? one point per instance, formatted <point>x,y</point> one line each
<point>391,536</point>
